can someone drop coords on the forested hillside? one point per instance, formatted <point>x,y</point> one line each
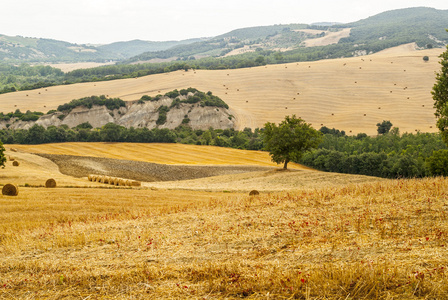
<point>136,47</point>
<point>248,47</point>
<point>422,25</point>
<point>23,49</point>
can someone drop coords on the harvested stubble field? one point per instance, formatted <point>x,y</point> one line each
<point>170,154</point>
<point>351,94</point>
<point>383,240</point>
<point>326,236</point>
<point>176,166</point>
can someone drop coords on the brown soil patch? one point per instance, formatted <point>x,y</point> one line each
<point>78,166</point>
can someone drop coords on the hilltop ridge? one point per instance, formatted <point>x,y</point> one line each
<point>370,35</point>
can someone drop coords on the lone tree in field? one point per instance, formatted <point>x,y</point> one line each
<point>440,96</point>
<point>290,139</point>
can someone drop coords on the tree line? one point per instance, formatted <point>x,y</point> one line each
<point>37,134</point>
<point>390,155</point>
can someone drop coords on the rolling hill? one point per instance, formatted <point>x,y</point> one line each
<point>15,49</point>
<point>351,94</point>
<point>421,25</point>
<point>170,166</point>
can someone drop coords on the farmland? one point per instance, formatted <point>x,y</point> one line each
<point>351,94</point>
<point>307,235</point>
<point>331,236</point>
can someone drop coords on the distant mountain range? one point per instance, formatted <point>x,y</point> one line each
<point>424,26</point>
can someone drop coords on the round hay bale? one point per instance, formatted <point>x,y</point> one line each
<point>10,190</point>
<point>117,181</point>
<point>254,193</point>
<point>136,183</point>
<point>106,179</point>
<point>94,178</point>
<point>128,182</point>
<point>122,182</point>
<point>11,158</point>
<point>15,163</point>
<point>112,180</point>
<point>50,183</point>
<point>13,149</point>
<point>90,177</point>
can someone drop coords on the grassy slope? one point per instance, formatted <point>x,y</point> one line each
<point>351,94</point>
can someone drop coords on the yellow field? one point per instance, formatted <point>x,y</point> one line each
<point>158,153</point>
<point>384,240</point>
<point>35,170</point>
<point>351,94</point>
<point>308,235</point>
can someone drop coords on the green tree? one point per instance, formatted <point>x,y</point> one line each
<point>437,164</point>
<point>426,58</point>
<point>440,96</point>
<point>111,132</point>
<point>35,135</point>
<point>290,139</point>
<point>384,127</point>
<point>2,155</point>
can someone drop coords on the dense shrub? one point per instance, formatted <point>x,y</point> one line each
<point>89,102</point>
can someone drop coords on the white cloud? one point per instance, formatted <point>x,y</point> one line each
<point>103,21</point>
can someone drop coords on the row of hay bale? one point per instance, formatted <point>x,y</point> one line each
<point>113,180</point>
<point>11,189</point>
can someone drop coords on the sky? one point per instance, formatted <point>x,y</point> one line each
<point>108,21</point>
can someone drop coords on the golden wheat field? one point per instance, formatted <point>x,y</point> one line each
<point>320,236</point>
<point>157,153</point>
<point>351,94</point>
<point>273,179</point>
<point>377,240</point>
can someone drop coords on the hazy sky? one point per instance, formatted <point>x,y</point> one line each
<point>106,21</point>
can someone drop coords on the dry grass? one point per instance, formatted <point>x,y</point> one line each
<point>384,240</point>
<point>336,93</point>
<point>326,236</point>
<point>298,178</point>
<point>34,170</point>
<point>267,181</point>
<point>170,154</point>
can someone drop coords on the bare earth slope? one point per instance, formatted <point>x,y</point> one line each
<point>351,94</point>
<point>80,166</point>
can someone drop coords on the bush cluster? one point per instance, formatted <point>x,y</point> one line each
<point>89,102</point>
<point>193,96</point>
